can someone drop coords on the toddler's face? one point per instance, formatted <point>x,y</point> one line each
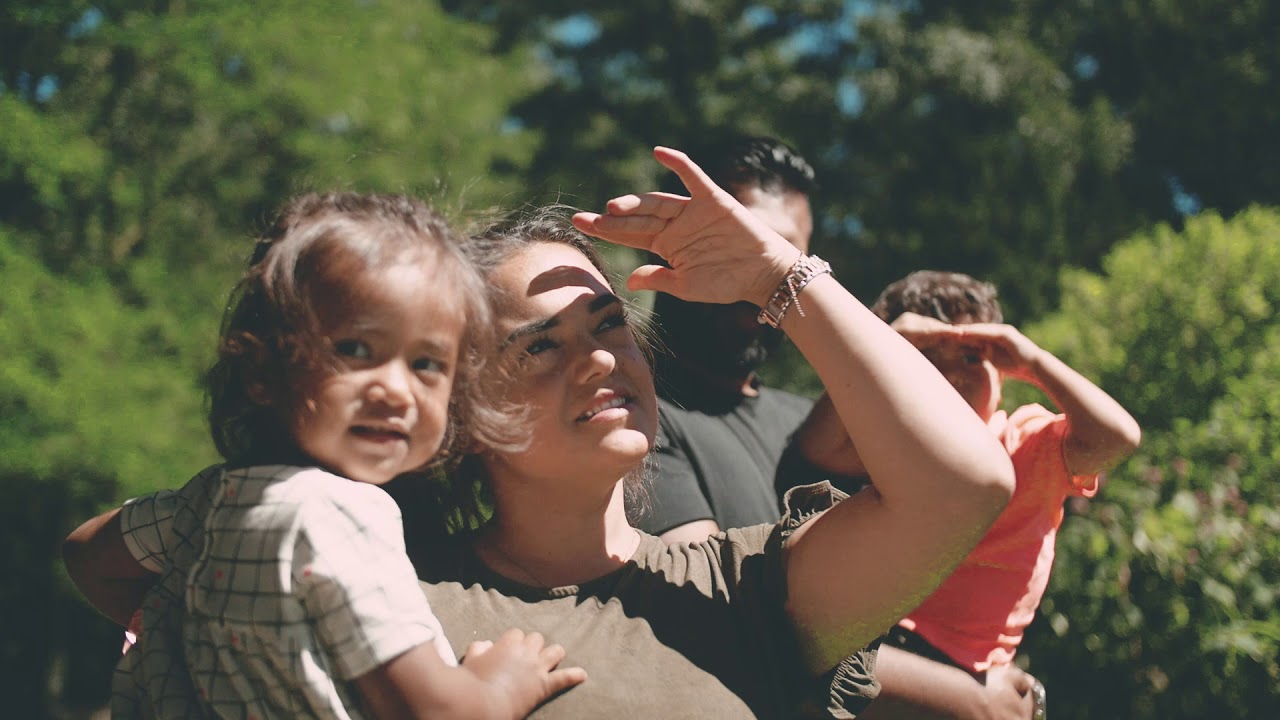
<point>970,372</point>
<point>395,340</point>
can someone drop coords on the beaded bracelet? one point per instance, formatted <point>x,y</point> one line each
<point>802,273</point>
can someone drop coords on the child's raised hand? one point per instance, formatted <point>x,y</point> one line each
<point>719,251</point>
<point>523,667</point>
<point>1011,352</point>
<point>923,332</point>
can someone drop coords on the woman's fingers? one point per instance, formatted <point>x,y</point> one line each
<point>632,220</point>
<point>689,173</point>
<point>663,205</point>
<point>653,277</point>
<point>611,228</point>
<point>624,225</point>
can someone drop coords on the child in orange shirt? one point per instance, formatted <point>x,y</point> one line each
<point>975,620</point>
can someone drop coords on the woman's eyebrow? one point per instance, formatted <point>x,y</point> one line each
<point>602,302</point>
<point>532,328</point>
<point>596,305</point>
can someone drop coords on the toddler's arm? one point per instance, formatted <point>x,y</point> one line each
<point>496,681</point>
<point>104,570</point>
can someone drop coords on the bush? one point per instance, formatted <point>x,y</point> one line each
<point>1163,600</point>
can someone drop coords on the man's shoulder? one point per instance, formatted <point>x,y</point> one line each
<point>783,398</point>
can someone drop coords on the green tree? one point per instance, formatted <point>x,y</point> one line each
<point>937,144</point>
<point>141,146</point>
<point>154,135</point>
<point>1001,139</point>
<point>93,406</point>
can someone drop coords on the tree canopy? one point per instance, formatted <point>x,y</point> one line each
<point>1000,139</point>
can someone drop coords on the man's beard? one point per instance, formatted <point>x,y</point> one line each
<point>733,356</point>
<point>723,340</point>
<point>750,358</point>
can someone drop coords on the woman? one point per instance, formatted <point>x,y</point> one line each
<point>761,622</point>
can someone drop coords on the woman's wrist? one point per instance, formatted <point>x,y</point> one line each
<point>787,295</point>
<point>780,265</point>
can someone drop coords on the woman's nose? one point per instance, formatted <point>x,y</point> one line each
<point>597,363</point>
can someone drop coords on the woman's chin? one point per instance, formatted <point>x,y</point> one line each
<point>630,447</point>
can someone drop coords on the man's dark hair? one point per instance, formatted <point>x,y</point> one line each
<point>750,161</point>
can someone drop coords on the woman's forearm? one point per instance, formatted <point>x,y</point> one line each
<point>915,434</point>
<point>941,479</point>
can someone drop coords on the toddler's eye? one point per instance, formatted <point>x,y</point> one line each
<point>352,349</point>
<point>429,365</point>
<point>539,345</point>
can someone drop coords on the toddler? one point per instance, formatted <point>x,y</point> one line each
<point>276,585</point>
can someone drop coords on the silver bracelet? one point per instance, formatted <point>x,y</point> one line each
<point>802,273</point>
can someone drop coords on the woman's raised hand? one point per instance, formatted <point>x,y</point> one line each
<point>718,250</point>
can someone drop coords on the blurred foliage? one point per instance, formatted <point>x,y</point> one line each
<point>142,144</point>
<point>1174,339</point>
<point>1163,598</point>
<point>953,135</point>
<point>94,404</point>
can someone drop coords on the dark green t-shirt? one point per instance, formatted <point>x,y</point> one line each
<point>683,631</point>
<point>720,460</point>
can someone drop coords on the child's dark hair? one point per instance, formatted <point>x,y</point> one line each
<point>271,339</point>
<point>953,298</point>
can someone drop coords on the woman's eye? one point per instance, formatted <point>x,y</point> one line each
<point>615,320</point>
<point>352,349</point>
<point>973,359</point>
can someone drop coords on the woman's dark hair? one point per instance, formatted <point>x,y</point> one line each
<point>488,249</point>
<point>951,297</point>
<point>271,342</point>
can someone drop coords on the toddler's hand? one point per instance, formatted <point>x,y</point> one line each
<point>132,632</point>
<point>523,668</point>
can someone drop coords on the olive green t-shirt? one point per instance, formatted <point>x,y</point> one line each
<point>681,631</point>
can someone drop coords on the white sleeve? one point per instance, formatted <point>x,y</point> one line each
<point>356,582</point>
<point>147,523</point>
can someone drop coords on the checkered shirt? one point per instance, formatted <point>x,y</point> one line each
<point>278,585</point>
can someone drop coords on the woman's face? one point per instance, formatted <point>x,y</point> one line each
<point>572,358</point>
